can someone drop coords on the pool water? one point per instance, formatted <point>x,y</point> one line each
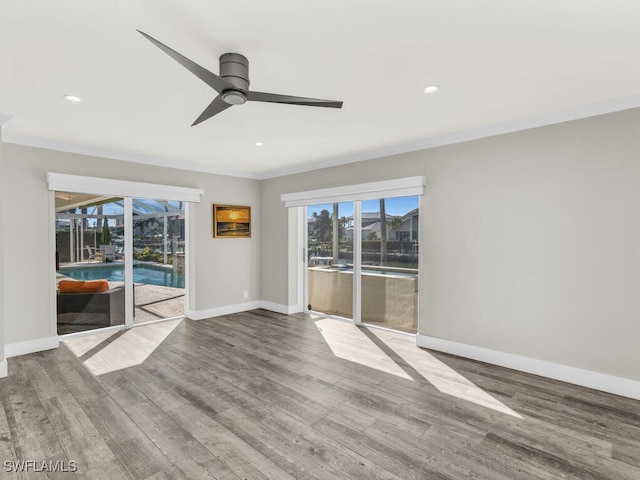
<point>115,273</point>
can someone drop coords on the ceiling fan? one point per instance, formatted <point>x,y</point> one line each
<point>232,84</point>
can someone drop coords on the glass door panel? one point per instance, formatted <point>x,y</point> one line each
<point>330,259</point>
<point>389,269</point>
<point>89,236</point>
<point>158,259</point>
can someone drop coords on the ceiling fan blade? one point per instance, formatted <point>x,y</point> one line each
<point>210,78</point>
<point>215,107</point>
<point>289,100</point>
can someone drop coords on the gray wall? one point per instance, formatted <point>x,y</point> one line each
<point>530,241</point>
<point>224,269</point>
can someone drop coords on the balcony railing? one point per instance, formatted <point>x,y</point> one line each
<point>389,294</point>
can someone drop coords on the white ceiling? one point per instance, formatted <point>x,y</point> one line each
<point>496,61</point>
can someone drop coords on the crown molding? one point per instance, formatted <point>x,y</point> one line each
<point>511,126</point>
<point>8,137</point>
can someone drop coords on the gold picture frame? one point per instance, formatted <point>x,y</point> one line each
<point>231,221</point>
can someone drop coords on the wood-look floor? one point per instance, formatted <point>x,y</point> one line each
<point>260,395</point>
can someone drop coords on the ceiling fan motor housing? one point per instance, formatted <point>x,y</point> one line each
<point>232,84</point>
<point>234,68</point>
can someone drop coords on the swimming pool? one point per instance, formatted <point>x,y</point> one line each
<point>147,274</point>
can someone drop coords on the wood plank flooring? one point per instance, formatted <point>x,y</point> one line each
<point>260,395</point>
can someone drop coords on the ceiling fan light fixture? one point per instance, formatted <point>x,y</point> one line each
<point>431,89</point>
<point>234,97</point>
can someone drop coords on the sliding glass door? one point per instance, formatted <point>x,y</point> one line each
<point>89,241</point>
<point>158,259</point>
<point>389,269</point>
<point>362,261</point>
<point>330,259</point>
<point>132,252</point>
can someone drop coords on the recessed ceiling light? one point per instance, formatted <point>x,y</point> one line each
<point>431,89</point>
<point>259,144</point>
<point>72,98</point>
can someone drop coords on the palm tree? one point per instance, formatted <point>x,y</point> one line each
<point>383,233</point>
<point>322,226</point>
<point>395,223</point>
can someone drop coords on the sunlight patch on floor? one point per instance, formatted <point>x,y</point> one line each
<point>398,355</point>
<point>83,345</point>
<point>127,350</point>
<point>450,382</point>
<point>365,353</point>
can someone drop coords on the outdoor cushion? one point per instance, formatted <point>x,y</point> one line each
<point>78,286</point>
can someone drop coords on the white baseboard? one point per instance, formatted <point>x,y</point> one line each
<point>30,346</point>
<point>280,308</point>
<point>219,311</point>
<point>3,369</point>
<point>599,381</point>
<point>241,307</point>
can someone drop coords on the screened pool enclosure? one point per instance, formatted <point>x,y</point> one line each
<point>90,246</point>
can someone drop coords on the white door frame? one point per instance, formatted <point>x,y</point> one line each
<point>129,302</point>
<point>357,264</point>
<point>126,190</point>
<point>397,187</point>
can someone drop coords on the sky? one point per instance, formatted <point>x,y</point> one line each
<point>393,206</point>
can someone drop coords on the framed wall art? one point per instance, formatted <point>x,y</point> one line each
<point>231,221</point>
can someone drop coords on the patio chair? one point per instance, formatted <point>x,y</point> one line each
<point>92,254</point>
<point>108,253</point>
